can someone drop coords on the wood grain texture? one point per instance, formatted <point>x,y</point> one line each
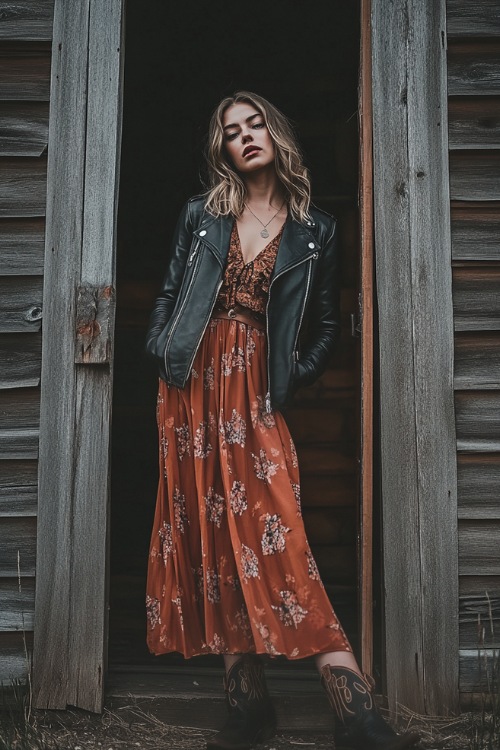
<point>17,604</point>
<point>20,360</point>
<point>22,247</point>
<point>466,19</point>
<point>475,175</point>
<point>15,648</point>
<point>17,547</point>
<point>475,231</point>
<point>474,68</point>
<point>476,298</point>
<point>95,315</point>
<point>67,127</point>
<point>19,443</point>
<point>18,500</point>
<point>367,340</point>
<point>85,128</point>
<point>473,667</point>
<point>413,260</point>
<point>26,19</point>
<point>479,542</point>
<point>24,72</point>
<point>20,304</point>
<point>477,361</point>
<point>23,184</point>
<point>19,407</point>
<point>24,128</point>
<point>478,421</point>
<point>479,614</point>
<point>474,122</point>
<point>479,486</point>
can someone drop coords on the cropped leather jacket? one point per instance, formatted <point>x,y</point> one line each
<point>304,286</point>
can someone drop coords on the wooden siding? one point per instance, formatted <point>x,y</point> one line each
<point>474,130</point>
<point>413,256</point>
<point>25,50</point>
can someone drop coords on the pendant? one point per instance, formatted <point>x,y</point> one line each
<point>264,233</point>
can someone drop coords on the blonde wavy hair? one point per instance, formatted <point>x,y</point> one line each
<point>227,192</point>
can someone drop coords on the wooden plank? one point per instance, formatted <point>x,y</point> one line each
<point>478,483</point>
<point>14,474</point>
<point>413,241</point>
<point>324,425</point>
<point>474,664</point>
<point>476,298</point>
<point>23,184</point>
<point>474,68</point>
<point>365,197</point>
<point>475,175</point>
<point>22,246</point>
<point>330,491</point>
<point>474,122</point>
<point>20,304</point>
<point>88,635</point>
<point>337,564</point>
<point>15,662</point>
<point>27,20</point>
<point>67,131</point>
<point>477,416</point>
<point>18,501</point>
<point>479,542</point>
<point>24,128</point>
<point>20,360</point>
<point>480,619</point>
<point>17,547</point>
<point>475,231</point>
<point>20,443</point>
<point>466,19</point>
<point>322,460</point>
<point>85,124</point>
<point>17,604</point>
<point>477,361</point>
<point>19,407</point>
<point>24,71</point>
<point>330,526</point>
<point>95,316</point>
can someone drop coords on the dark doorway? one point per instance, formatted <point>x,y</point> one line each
<point>180,60</point>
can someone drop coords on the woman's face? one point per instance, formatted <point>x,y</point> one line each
<point>246,137</point>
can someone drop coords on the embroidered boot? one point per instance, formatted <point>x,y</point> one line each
<point>251,714</point>
<point>358,724</point>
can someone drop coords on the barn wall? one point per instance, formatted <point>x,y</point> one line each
<point>25,54</point>
<point>474,141</point>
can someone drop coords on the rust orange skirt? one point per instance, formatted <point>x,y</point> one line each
<point>230,569</point>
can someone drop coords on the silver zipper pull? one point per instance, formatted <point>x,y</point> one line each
<point>268,403</point>
<point>191,257</point>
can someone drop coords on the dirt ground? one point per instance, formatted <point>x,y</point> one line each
<point>130,727</point>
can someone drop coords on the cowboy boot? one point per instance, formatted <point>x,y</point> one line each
<point>251,714</point>
<point>358,724</point>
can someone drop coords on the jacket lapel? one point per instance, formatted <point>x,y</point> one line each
<point>297,241</point>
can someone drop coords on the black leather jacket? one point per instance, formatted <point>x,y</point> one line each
<point>305,279</point>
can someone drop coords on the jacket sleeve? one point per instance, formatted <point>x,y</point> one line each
<point>324,314</point>
<point>165,302</point>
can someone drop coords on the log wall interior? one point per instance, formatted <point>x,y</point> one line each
<point>25,53</point>
<point>474,142</point>
<point>158,174</point>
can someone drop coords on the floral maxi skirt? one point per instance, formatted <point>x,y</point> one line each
<point>230,569</point>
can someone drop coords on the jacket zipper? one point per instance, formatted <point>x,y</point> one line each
<point>212,305</point>
<point>285,270</point>
<point>181,310</point>
<point>195,250</point>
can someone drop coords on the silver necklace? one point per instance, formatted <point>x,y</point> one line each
<point>263,232</point>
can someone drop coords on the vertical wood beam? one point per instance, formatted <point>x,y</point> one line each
<point>63,239</point>
<point>84,142</point>
<point>413,263</point>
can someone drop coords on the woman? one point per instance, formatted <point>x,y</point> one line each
<point>230,569</point>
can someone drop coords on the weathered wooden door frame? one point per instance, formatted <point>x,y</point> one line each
<point>414,285</point>
<point>70,639</point>
<point>366,306</point>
